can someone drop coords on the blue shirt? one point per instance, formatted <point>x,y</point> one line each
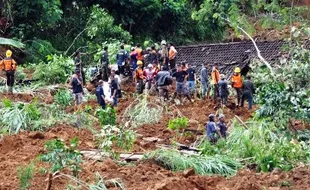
<point>99,94</point>
<point>211,130</point>
<point>121,57</point>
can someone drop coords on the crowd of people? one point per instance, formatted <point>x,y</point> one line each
<point>155,69</point>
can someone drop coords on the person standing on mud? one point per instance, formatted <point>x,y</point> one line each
<point>204,78</point>
<point>163,80</point>
<point>164,54</point>
<point>191,80</point>
<point>237,84</point>
<point>223,90</point>
<point>172,56</point>
<point>181,88</point>
<point>9,66</point>
<point>79,65</point>
<point>248,91</point>
<point>100,94</point>
<point>215,75</point>
<point>104,60</point>
<point>77,88</point>
<point>114,87</point>
<point>121,58</point>
<point>139,78</point>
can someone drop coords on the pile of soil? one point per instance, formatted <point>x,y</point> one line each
<point>16,150</point>
<point>21,149</point>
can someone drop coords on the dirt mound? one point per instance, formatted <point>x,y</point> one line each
<point>20,149</point>
<point>25,97</point>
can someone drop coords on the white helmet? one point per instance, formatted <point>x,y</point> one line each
<point>149,65</point>
<point>163,42</point>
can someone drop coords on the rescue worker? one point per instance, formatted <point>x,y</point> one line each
<point>121,58</point>
<point>215,75</point>
<point>211,128</point>
<point>163,80</point>
<point>139,53</point>
<point>149,74</point>
<point>237,84</point>
<point>204,77</point>
<point>222,126</point>
<point>181,88</point>
<point>139,77</point>
<point>172,56</point>
<point>104,60</point>
<point>100,94</point>
<point>164,54</point>
<point>223,90</point>
<point>248,91</point>
<point>79,65</point>
<point>191,80</point>
<point>9,66</point>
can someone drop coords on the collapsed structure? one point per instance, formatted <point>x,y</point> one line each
<point>229,55</point>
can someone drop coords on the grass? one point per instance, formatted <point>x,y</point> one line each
<point>141,111</point>
<point>25,175</point>
<point>203,165</point>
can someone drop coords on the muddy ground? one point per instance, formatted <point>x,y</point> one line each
<point>20,149</point>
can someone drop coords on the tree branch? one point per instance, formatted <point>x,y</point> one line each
<point>255,45</point>
<point>75,40</point>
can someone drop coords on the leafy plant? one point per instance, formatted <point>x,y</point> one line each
<point>106,116</point>
<point>123,138</point>
<point>61,156</point>
<point>25,175</point>
<point>178,123</point>
<point>203,165</point>
<point>63,97</point>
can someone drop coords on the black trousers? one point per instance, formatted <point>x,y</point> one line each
<point>172,64</point>
<point>10,78</point>
<point>121,69</point>
<point>105,73</point>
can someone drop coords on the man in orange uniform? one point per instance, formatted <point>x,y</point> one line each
<point>215,75</point>
<point>172,56</point>
<point>139,53</point>
<point>139,77</point>
<point>237,84</point>
<point>9,66</point>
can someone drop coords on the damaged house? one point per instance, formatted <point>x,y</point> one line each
<point>228,55</point>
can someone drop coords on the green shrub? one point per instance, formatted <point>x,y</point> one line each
<point>57,70</point>
<point>178,123</point>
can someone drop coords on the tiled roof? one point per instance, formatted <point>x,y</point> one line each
<point>228,55</point>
